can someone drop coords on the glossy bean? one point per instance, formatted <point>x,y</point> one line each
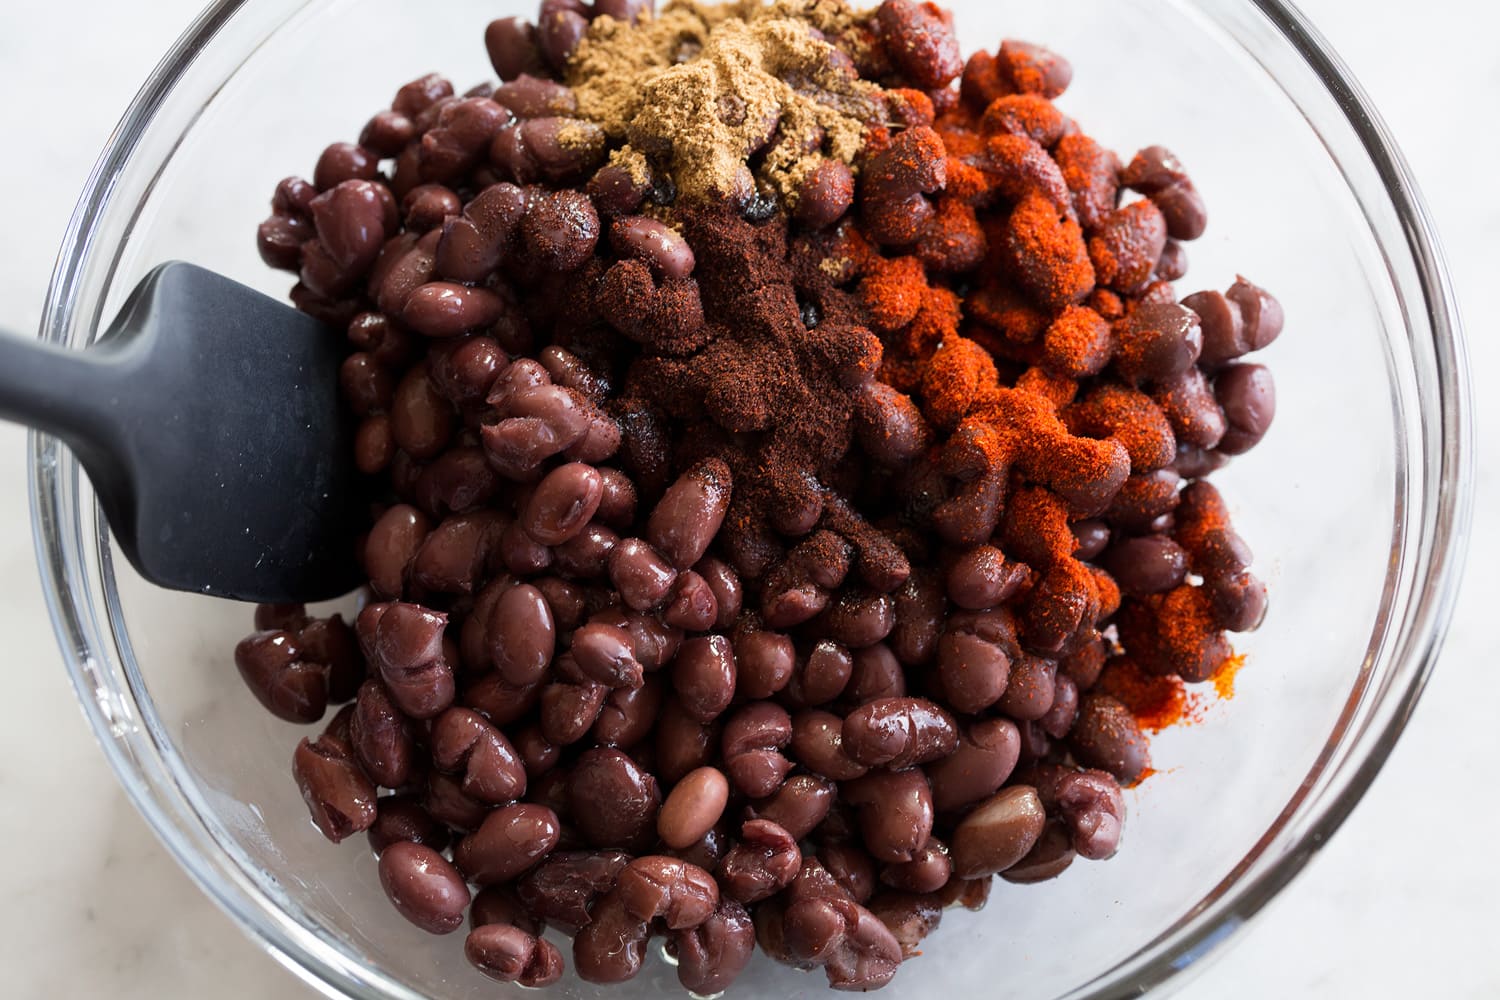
<point>682,742</point>
<point>641,574</point>
<point>606,654</point>
<point>510,954</point>
<point>424,887</point>
<point>762,863</point>
<point>563,888</point>
<point>728,591</point>
<point>711,955</point>
<point>689,514</point>
<point>753,739</point>
<point>972,672</point>
<point>704,676</point>
<point>381,737</point>
<point>898,733</point>
<point>337,793</point>
<point>511,840</point>
<point>800,805</point>
<point>628,714</point>
<point>927,871</point>
<point>692,808</point>
<point>895,812</point>
<point>614,802</point>
<point>659,887</point>
<point>987,754</point>
<point>655,243</point>
<point>401,817</point>
<point>568,710</point>
<point>1106,736</point>
<point>463,742</point>
<point>998,833</point>
<point>876,674</point>
<point>1093,810</point>
<point>289,687</point>
<point>818,745</point>
<point>612,947</point>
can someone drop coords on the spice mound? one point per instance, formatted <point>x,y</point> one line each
<point>788,471</point>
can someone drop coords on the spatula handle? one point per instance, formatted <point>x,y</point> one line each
<point>62,392</point>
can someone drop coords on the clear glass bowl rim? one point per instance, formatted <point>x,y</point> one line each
<point>1416,629</point>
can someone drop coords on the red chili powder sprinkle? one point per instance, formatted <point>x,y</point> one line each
<point>1223,678</point>
<point>1156,702</point>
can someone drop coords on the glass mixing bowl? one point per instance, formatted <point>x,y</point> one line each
<point>1355,505</point>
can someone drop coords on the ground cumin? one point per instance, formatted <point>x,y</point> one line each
<point>699,90</point>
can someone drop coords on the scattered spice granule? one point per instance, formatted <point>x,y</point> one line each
<point>1223,678</point>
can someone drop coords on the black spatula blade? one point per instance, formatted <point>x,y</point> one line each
<point>217,444</point>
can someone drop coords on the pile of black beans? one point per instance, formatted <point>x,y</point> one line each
<point>560,707</point>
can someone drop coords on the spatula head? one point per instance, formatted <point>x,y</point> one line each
<point>235,474</point>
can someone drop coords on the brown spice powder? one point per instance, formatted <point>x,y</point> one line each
<point>700,89</point>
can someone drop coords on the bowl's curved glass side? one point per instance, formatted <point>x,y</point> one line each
<point>235,823</point>
<point>1430,395</point>
<point>69,561</point>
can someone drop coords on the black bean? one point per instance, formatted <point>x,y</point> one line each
<point>754,737</point>
<point>1150,564</point>
<point>565,885</point>
<point>764,862</point>
<point>643,577</point>
<point>659,887</point>
<point>447,309</point>
<point>981,578</point>
<point>826,194</point>
<point>704,676</point>
<point>987,753</point>
<point>899,732</point>
<point>691,605</point>
<point>800,806</point>
<point>998,833</point>
<point>818,745</point>
<point>1094,812</point>
<point>534,97</point>
<point>338,795</point>
<point>343,161</point>
<point>711,955</point>
<point>464,742</point>
<point>606,655</point>
<point>971,670</point>
<point>289,687</point>
<point>563,503</point>
<point>560,230</point>
<point>612,946</point>
<point>560,26</point>
<point>895,810</point>
<point>614,802</point>
<point>1106,736</point>
<point>764,662</point>
<point>1247,395</point>
<point>1261,312</point>
<point>513,50</point>
<point>401,817</point>
<point>689,514</point>
<point>876,674</point>
<point>415,97</point>
<point>512,955</point>
<point>655,243</point>
<point>424,887</point>
<point>511,840</point>
<point>1157,341</point>
<point>381,737</point>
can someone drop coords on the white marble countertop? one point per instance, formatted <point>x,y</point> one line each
<point>1401,903</point>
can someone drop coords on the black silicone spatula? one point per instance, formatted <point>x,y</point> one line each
<point>207,417</point>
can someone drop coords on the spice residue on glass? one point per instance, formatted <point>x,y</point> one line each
<point>789,506</point>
